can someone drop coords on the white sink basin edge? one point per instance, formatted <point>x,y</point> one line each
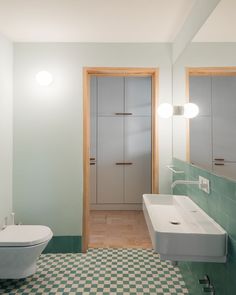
<point>181,231</point>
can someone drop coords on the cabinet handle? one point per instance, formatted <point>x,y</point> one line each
<point>219,159</point>
<point>124,163</point>
<point>123,114</point>
<point>92,163</point>
<point>219,164</point>
<point>92,159</point>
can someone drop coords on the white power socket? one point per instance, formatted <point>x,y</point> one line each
<point>204,184</point>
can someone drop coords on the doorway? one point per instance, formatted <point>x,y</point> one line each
<point>123,73</point>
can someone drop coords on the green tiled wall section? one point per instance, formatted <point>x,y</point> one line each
<point>220,204</point>
<point>64,244</point>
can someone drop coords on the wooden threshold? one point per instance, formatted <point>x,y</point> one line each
<point>118,229</point>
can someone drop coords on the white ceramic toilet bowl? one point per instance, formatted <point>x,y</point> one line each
<point>20,246</point>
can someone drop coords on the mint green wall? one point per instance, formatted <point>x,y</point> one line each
<point>220,204</point>
<point>6,97</point>
<point>48,125</point>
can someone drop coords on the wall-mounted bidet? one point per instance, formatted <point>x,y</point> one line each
<point>20,246</point>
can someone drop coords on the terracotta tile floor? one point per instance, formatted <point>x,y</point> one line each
<point>118,229</point>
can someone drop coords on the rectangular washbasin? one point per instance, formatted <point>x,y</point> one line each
<point>182,231</point>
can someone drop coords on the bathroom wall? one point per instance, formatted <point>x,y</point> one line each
<point>48,125</point>
<point>6,74</point>
<point>220,204</point>
<point>196,55</point>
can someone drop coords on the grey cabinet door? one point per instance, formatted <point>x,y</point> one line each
<point>138,152</point>
<point>110,95</point>
<point>201,142</point>
<point>226,170</point>
<point>200,93</point>
<point>110,176</point>
<point>201,126</point>
<point>138,92</point>
<point>224,117</point>
<point>93,137</point>
<point>121,139</point>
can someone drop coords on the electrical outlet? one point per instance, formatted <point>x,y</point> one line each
<point>204,184</point>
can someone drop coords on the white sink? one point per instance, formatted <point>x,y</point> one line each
<point>182,231</point>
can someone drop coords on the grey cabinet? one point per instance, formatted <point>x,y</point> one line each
<point>110,152</point>
<point>201,126</point>
<point>224,118</point>
<point>110,95</point>
<point>223,123</point>
<point>201,142</point>
<point>138,95</point>
<point>212,133</point>
<point>200,93</point>
<point>225,169</point>
<point>137,152</point>
<point>123,141</point>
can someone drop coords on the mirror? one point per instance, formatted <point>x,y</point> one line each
<point>209,140</point>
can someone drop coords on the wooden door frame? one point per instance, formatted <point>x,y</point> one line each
<point>124,72</point>
<point>203,71</point>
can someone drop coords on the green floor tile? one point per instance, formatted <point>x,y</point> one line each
<point>100,271</point>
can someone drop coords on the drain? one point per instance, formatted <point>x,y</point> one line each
<point>174,222</point>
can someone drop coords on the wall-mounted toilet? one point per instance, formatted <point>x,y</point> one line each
<point>20,246</point>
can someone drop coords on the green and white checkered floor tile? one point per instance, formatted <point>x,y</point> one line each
<point>100,271</point>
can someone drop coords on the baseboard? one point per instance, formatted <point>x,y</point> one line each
<point>64,244</point>
<point>115,206</point>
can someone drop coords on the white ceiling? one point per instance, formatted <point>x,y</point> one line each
<point>221,25</point>
<point>93,20</point>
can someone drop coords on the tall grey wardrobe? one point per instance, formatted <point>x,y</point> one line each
<point>213,132</point>
<point>120,151</point>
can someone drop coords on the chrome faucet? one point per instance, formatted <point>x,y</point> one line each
<point>184,182</point>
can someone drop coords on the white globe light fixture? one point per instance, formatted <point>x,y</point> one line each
<point>44,78</point>
<point>191,110</point>
<point>165,110</point>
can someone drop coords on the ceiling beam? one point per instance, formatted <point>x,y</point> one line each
<point>199,13</point>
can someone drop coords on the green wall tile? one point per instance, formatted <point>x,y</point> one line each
<point>220,204</point>
<point>64,244</point>
<point>223,186</point>
<point>231,227</point>
<point>232,249</point>
<point>228,207</point>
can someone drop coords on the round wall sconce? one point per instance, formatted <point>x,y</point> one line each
<point>44,78</point>
<point>191,110</point>
<point>165,110</point>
